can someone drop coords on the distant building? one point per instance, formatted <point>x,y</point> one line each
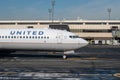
<point>95,31</point>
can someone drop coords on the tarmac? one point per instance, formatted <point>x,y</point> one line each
<point>93,62</point>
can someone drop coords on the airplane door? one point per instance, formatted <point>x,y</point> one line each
<point>59,38</point>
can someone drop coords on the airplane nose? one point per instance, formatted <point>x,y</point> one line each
<point>83,43</point>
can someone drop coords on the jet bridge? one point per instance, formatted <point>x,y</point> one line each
<point>116,35</point>
<point>59,26</point>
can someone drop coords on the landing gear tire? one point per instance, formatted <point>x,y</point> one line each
<point>64,57</point>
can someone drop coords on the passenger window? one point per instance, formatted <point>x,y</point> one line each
<point>70,36</point>
<point>27,37</point>
<point>38,37</point>
<point>23,36</point>
<point>8,36</point>
<point>47,37</point>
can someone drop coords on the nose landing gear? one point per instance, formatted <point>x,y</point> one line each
<point>64,56</point>
<point>67,52</point>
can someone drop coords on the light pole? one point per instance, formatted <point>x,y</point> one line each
<point>53,4</point>
<point>50,11</point>
<point>109,12</point>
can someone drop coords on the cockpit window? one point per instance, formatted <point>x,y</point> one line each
<point>74,36</point>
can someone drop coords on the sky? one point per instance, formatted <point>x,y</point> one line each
<point>64,9</point>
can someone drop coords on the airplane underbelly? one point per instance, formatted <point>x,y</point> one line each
<point>40,46</point>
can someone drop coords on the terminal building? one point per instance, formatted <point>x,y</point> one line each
<point>95,31</point>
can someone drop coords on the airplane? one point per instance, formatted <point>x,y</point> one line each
<point>39,40</point>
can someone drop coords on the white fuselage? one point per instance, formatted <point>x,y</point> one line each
<point>39,39</point>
